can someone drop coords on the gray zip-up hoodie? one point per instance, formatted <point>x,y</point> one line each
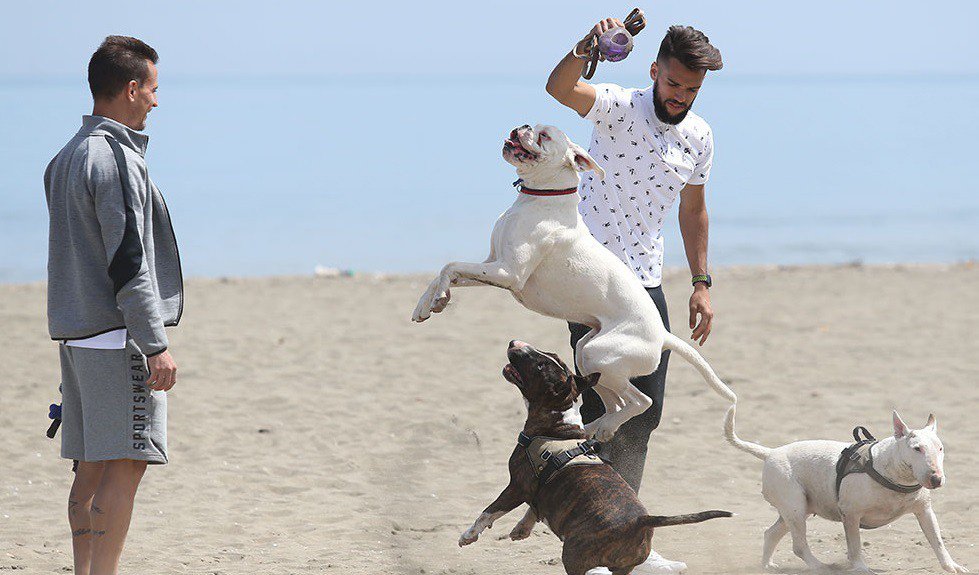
<point>112,255</point>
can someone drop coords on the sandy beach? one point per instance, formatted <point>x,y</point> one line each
<point>315,429</point>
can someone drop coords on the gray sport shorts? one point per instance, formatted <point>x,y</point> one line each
<point>107,412</point>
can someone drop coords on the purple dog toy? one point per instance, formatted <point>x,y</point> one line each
<point>615,44</point>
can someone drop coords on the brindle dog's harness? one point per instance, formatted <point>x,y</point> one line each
<point>548,455</point>
<point>858,458</point>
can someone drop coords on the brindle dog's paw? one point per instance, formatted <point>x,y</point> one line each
<point>521,531</point>
<point>468,537</point>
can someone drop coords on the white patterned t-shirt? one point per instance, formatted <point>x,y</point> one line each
<point>647,162</point>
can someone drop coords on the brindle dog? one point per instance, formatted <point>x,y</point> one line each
<point>590,507</point>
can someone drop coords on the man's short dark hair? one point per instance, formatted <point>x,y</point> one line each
<point>119,60</point>
<point>691,48</point>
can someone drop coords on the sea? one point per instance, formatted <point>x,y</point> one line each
<point>400,174</point>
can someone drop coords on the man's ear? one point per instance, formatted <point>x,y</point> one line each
<point>586,382</point>
<point>583,162</point>
<point>900,428</point>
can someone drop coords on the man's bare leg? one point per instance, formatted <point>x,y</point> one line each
<point>112,510</point>
<point>87,479</point>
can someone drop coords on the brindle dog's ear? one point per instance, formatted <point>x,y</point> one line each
<point>587,381</point>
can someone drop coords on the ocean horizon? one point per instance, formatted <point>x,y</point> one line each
<point>275,176</point>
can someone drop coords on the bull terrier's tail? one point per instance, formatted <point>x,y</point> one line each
<point>759,451</point>
<point>687,352</point>
<point>668,520</point>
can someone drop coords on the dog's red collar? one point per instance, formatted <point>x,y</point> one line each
<point>532,192</point>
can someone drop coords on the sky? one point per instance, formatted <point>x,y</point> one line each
<point>43,38</point>
<point>272,176</point>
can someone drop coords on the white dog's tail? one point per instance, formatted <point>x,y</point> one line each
<point>685,350</point>
<point>759,451</point>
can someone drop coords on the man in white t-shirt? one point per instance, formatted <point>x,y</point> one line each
<point>653,149</point>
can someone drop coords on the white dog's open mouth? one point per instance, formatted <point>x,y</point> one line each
<point>515,147</point>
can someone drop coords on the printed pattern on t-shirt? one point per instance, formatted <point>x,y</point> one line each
<point>647,163</point>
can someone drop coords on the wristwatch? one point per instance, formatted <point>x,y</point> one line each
<point>701,278</point>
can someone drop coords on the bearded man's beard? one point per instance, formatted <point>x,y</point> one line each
<point>663,113</point>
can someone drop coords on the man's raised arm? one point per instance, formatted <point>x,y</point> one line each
<point>565,83</point>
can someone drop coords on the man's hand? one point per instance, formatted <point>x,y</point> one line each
<point>700,305</point>
<point>163,372</point>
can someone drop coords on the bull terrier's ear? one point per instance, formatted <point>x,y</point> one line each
<point>587,381</point>
<point>900,429</point>
<point>583,162</point>
<point>932,422</point>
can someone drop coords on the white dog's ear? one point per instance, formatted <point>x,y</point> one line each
<point>932,422</point>
<point>583,162</point>
<point>900,429</point>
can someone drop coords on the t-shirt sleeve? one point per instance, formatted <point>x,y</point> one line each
<point>610,111</point>
<point>705,158</point>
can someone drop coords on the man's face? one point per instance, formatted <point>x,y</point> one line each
<point>143,97</point>
<point>675,88</point>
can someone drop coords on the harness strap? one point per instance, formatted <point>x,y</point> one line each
<point>523,440</point>
<point>557,462</point>
<point>885,481</point>
<point>867,436</point>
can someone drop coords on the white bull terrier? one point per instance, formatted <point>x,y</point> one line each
<point>542,252</point>
<point>800,479</point>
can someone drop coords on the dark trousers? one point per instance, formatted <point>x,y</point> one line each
<point>627,450</point>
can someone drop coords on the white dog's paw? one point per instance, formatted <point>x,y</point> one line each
<point>440,302</point>
<point>600,430</point>
<point>521,531</point>
<point>468,537</point>
<point>423,310</point>
<point>954,567</point>
<point>770,566</point>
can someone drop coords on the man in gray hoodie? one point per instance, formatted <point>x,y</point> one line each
<point>114,284</point>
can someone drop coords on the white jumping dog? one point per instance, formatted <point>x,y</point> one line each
<point>800,479</point>
<point>542,252</point>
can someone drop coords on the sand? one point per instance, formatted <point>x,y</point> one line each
<point>315,429</point>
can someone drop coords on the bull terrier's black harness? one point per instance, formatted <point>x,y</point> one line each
<point>858,458</point>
